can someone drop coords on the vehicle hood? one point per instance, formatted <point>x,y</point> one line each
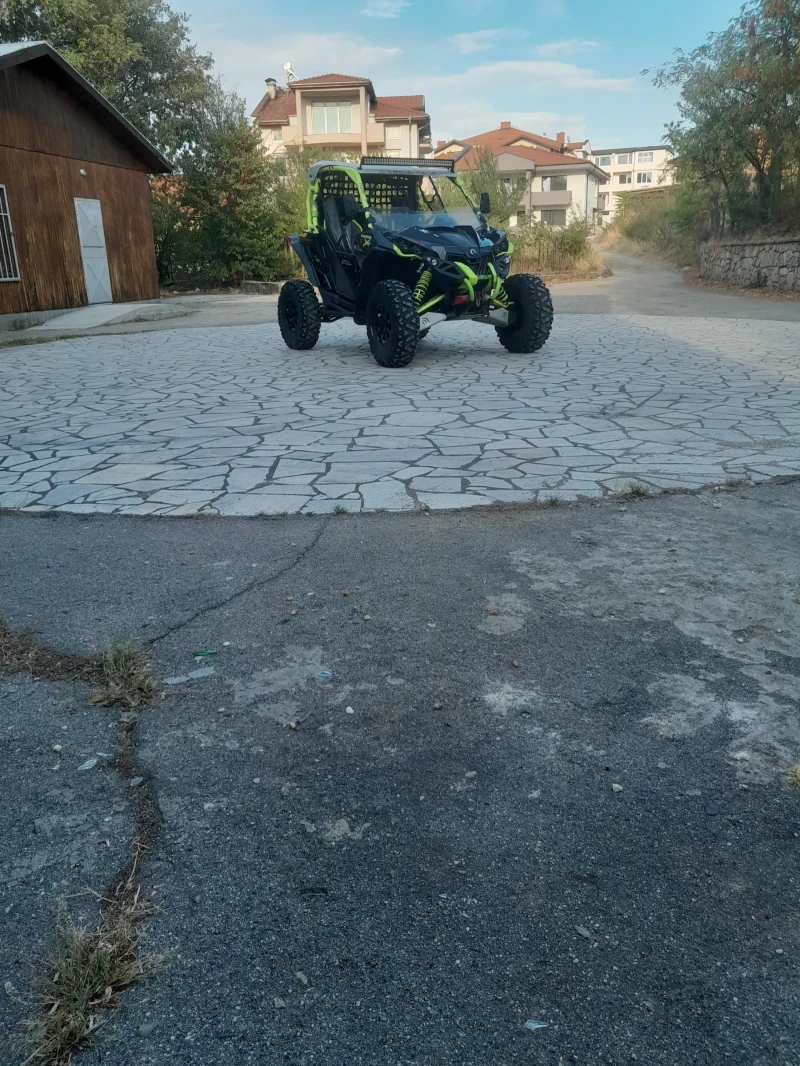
<point>449,242</point>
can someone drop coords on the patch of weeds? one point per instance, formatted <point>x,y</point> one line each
<point>552,499</point>
<point>793,776</point>
<point>126,678</point>
<point>85,973</point>
<point>735,482</point>
<point>338,509</point>
<point>20,653</point>
<point>637,490</point>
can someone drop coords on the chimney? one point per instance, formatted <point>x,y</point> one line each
<point>440,144</point>
<point>505,125</point>
<point>271,87</point>
<point>561,139</point>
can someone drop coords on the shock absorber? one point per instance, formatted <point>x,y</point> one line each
<point>421,288</point>
<point>501,297</point>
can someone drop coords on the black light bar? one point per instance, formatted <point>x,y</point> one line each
<point>395,161</point>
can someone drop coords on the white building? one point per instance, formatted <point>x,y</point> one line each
<point>561,181</point>
<point>631,170</point>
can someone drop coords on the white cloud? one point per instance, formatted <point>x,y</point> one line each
<point>247,63</point>
<point>384,9</point>
<point>566,48</point>
<point>523,75</point>
<point>467,43</point>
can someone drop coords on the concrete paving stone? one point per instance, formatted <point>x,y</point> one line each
<point>179,497</point>
<point>346,473</point>
<point>237,503</point>
<point>292,467</point>
<point>386,495</point>
<point>63,494</point>
<point>122,473</point>
<point>241,479</point>
<point>439,501</point>
<point>17,499</point>
<point>283,489</point>
<point>436,484</point>
<point>326,506</point>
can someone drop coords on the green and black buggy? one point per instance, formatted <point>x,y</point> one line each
<point>385,246</point>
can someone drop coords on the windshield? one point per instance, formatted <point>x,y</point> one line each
<point>399,202</point>
<point>447,218</point>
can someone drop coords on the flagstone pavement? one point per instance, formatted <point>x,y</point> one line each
<point>229,421</point>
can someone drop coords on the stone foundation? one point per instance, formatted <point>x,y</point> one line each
<point>754,264</point>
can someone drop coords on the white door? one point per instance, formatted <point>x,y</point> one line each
<point>93,251</point>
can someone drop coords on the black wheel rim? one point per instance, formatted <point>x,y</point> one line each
<point>383,326</point>
<point>290,312</point>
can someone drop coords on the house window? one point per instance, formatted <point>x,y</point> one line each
<point>393,133</point>
<point>520,212</point>
<point>624,179</point>
<point>603,160</point>
<point>555,217</point>
<point>645,178</point>
<point>623,160</point>
<point>9,266</point>
<point>277,134</point>
<point>644,157</point>
<point>330,118</point>
<point>554,184</point>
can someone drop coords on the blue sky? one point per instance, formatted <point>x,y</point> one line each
<point>546,65</point>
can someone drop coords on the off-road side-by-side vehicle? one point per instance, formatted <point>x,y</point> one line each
<point>385,246</point>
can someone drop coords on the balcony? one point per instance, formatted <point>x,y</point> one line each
<point>549,199</point>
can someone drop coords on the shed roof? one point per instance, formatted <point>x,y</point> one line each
<point>13,55</point>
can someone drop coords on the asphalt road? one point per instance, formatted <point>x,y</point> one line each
<point>452,859</point>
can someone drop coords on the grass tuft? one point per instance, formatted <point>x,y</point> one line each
<point>126,678</point>
<point>793,776</point>
<point>552,499</point>
<point>84,974</point>
<point>637,490</point>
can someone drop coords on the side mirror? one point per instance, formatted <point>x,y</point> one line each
<point>485,203</point>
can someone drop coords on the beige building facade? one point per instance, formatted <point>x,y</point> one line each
<point>342,112</point>
<point>631,170</point>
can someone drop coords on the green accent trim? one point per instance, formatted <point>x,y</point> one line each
<point>429,304</point>
<point>312,216</point>
<point>497,281</point>
<point>510,248</point>
<point>460,183</point>
<point>406,255</point>
<point>468,273</point>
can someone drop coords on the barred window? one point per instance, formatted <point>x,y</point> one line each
<point>9,266</point>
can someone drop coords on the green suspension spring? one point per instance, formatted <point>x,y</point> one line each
<point>421,288</point>
<point>501,297</point>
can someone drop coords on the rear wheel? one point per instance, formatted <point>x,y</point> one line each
<point>533,314</point>
<point>299,315</point>
<point>392,324</point>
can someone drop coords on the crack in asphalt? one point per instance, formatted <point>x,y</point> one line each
<point>249,587</point>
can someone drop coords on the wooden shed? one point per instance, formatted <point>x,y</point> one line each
<point>75,222</point>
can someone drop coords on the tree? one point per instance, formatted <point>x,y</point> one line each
<point>739,128</point>
<point>227,192</point>
<point>137,53</point>
<point>505,193</point>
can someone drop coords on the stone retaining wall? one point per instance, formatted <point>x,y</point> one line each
<point>754,264</point>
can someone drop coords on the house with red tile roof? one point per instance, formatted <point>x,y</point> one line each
<point>561,179</point>
<point>342,112</point>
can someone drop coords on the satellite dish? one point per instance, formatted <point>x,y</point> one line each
<point>290,74</point>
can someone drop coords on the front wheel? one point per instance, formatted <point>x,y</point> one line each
<point>299,315</point>
<point>392,324</point>
<point>533,314</point>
